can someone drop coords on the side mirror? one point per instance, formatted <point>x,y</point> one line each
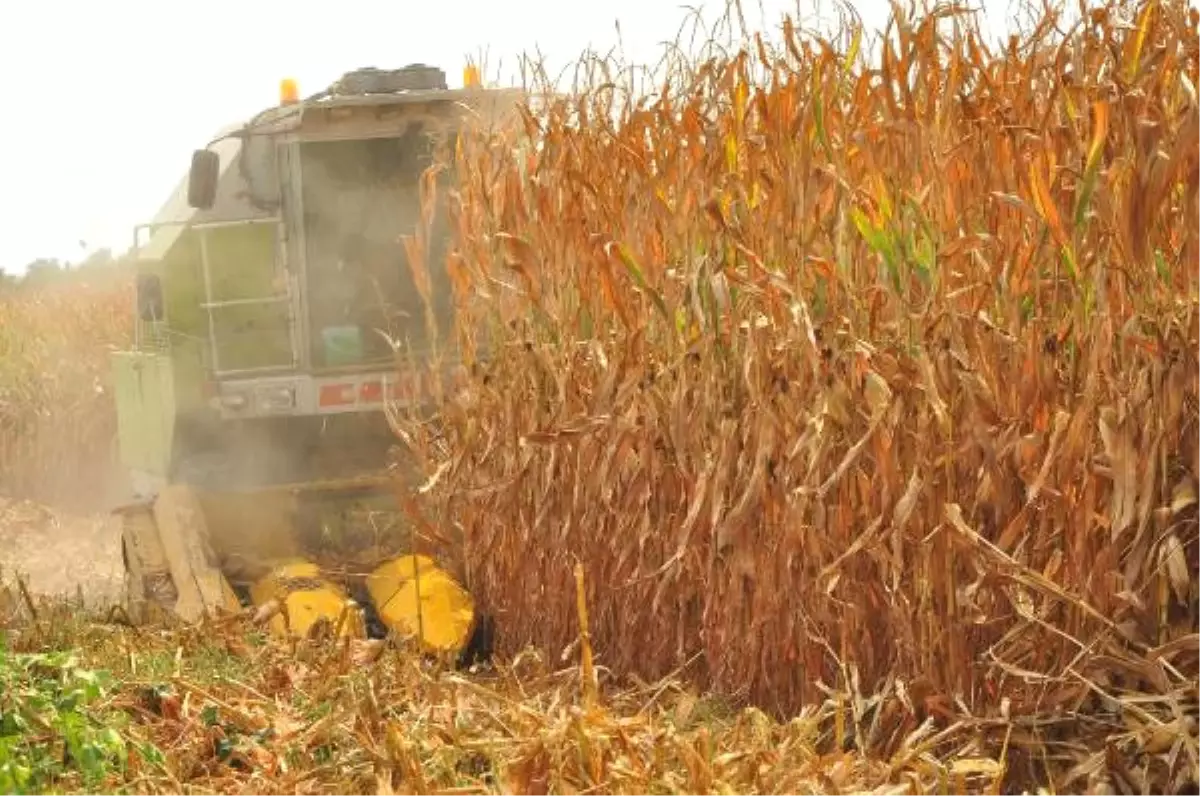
<point>202,179</point>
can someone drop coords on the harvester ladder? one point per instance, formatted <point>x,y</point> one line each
<point>210,305</point>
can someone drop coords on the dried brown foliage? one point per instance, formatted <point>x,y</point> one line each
<point>58,420</point>
<point>846,376</point>
<point>215,709</point>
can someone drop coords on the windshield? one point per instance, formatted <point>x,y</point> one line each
<point>359,198</point>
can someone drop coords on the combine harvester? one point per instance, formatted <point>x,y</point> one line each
<point>251,408</point>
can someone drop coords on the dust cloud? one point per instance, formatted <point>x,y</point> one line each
<point>57,530</point>
<point>58,553</point>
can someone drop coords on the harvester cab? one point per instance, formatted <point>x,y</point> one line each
<point>291,287</point>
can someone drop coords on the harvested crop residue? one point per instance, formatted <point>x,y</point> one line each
<point>56,553</point>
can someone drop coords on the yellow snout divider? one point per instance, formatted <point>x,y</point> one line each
<point>307,598</point>
<point>416,598</point>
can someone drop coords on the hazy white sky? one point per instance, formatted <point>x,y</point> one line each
<point>104,102</point>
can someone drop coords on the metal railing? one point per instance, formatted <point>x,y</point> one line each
<point>211,306</point>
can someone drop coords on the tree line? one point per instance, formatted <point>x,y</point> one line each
<point>45,271</point>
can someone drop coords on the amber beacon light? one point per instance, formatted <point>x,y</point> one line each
<point>289,92</point>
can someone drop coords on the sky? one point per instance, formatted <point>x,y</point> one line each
<point>104,102</point>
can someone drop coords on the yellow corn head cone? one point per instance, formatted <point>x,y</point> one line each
<point>307,598</point>
<point>416,598</point>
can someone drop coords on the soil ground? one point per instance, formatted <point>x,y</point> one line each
<point>58,553</point>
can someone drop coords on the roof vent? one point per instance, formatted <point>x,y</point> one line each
<point>414,77</point>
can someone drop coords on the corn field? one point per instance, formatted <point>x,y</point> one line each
<point>857,379</point>
<point>57,416</point>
